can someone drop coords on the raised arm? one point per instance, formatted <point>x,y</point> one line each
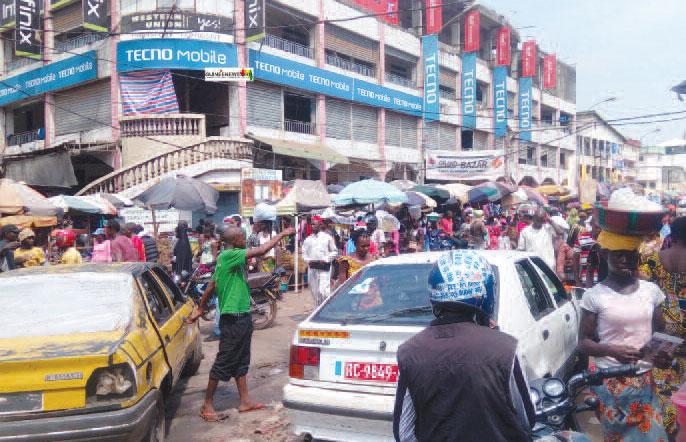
<point>266,247</point>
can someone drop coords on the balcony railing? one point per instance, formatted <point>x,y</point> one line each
<point>20,62</point>
<point>350,66</point>
<point>24,137</point>
<point>187,125</point>
<point>301,127</point>
<point>448,95</point>
<point>79,41</point>
<point>402,81</point>
<point>288,46</point>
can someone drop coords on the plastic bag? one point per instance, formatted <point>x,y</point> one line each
<point>264,212</point>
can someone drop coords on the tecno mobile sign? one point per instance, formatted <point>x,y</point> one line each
<point>136,55</point>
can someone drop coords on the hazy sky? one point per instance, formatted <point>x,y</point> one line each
<point>634,50</point>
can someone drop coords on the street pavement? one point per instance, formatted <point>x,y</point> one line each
<point>268,374</point>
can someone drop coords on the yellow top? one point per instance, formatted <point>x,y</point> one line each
<point>353,265</point>
<point>71,256</point>
<point>32,257</point>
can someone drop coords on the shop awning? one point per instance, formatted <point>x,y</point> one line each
<point>312,151</point>
<point>51,170</point>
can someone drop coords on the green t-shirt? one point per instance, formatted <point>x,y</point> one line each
<point>232,289</point>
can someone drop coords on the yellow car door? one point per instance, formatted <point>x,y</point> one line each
<point>183,308</point>
<point>166,319</point>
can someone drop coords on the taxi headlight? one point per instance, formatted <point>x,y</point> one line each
<point>117,382</point>
<point>553,387</point>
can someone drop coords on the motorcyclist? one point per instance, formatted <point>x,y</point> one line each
<point>460,379</point>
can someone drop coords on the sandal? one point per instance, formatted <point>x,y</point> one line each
<point>216,417</point>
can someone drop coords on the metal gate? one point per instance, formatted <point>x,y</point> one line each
<point>264,105</point>
<point>364,124</point>
<point>338,119</point>
<point>83,108</point>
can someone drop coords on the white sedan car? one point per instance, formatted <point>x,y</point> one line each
<point>343,369</point>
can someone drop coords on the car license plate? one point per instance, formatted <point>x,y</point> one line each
<point>367,371</point>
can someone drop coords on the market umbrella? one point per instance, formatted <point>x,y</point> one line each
<point>419,199</point>
<point>334,188</point>
<point>457,190</point>
<point>489,191</point>
<point>533,196</point>
<point>18,198</point>
<point>404,184</point>
<point>552,189</point>
<point>388,223</point>
<point>432,191</point>
<point>70,203</point>
<point>106,207</point>
<point>369,192</point>
<point>180,192</point>
<point>117,201</point>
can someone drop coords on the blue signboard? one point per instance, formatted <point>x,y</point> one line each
<point>469,90</point>
<point>51,77</point>
<point>500,100</point>
<point>280,70</point>
<point>432,105</point>
<point>525,108</point>
<point>174,53</point>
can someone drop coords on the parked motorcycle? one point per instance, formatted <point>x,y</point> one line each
<point>263,296</point>
<point>556,402</point>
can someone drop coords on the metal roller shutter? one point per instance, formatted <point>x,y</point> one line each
<point>447,78</point>
<point>68,18</point>
<point>264,105</point>
<point>338,119</point>
<point>480,140</point>
<point>91,100</point>
<point>431,135</point>
<point>448,137</point>
<point>392,129</point>
<point>365,124</point>
<point>348,43</point>
<point>408,129</point>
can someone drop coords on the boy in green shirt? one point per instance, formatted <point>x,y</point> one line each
<point>233,296</point>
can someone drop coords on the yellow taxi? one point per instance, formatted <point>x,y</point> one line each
<point>91,351</point>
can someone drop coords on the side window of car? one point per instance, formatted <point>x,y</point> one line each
<point>551,282</point>
<point>539,302</point>
<point>158,302</point>
<point>173,289</point>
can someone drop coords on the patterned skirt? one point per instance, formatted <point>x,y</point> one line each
<point>630,410</point>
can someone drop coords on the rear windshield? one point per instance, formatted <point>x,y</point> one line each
<point>53,304</point>
<point>382,294</point>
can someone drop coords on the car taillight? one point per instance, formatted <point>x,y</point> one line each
<point>114,383</point>
<point>304,362</point>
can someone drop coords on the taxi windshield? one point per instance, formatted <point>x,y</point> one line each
<point>382,294</point>
<point>64,303</point>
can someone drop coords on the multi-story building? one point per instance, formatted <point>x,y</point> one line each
<point>603,152</point>
<point>337,95</point>
<point>662,168</point>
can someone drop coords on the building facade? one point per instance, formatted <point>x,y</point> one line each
<point>338,94</point>
<point>604,153</point>
<point>662,168</point>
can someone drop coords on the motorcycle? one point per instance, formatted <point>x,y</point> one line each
<point>556,405</point>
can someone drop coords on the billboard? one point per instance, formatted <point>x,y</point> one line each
<point>472,25</point>
<point>96,15</point>
<point>432,107</point>
<point>529,59</point>
<point>466,165</point>
<point>27,34</point>
<point>469,90</point>
<point>500,100</point>
<point>255,19</point>
<point>434,17</point>
<point>525,108</point>
<point>174,53</point>
<point>503,48</point>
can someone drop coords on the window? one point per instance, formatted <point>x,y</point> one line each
<point>551,282</point>
<point>563,160</point>
<point>467,140</point>
<point>539,302</point>
<point>298,113</point>
<point>172,288</point>
<point>158,302</point>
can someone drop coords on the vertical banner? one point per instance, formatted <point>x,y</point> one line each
<point>525,108</point>
<point>549,72</point>
<point>432,106</point>
<point>254,14</point>
<point>27,34</point>
<point>503,47</point>
<point>472,25</point>
<point>529,59</point>
<point>392,12</point>
<point>469,90</point>
<point>500,100</point>
<point>95,15</point>
<point>434,17</point>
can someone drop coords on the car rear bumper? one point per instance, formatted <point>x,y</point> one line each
<point>339,415</point>
<point>127,424</point>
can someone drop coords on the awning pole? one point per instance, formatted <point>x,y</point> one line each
<point>296,259</point>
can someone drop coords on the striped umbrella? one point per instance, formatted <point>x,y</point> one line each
<point>489,191</point>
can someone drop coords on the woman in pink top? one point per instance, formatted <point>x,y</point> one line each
<point>101,247</point>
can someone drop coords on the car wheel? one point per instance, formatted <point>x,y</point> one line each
<point>193,363</point>
<point>157,432</point>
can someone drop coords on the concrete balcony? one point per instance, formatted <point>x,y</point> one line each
<point>401,81</point>
<point>301,127</point>
<point>288,46</point>
<point>350,66</point>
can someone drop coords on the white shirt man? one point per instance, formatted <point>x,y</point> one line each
<point>319,249</point>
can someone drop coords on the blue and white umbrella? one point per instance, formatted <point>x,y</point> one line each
<point>369,192</point>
